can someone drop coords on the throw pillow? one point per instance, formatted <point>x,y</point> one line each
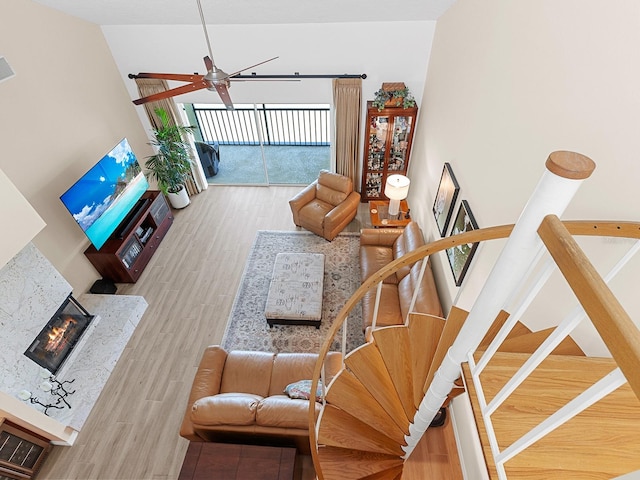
<point>302,390</point>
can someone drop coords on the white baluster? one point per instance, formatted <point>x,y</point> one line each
<point>376,305</point>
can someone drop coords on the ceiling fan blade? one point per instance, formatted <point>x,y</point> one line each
<point>208,63</point>
<point>223,91</point>
<point>247,68</point>
<point>191,87</point>
<point>172,76</point>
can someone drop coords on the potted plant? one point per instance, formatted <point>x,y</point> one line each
<point>171,166</point>
<point>393,95</point>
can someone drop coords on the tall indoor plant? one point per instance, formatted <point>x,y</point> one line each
<point>171,165</point>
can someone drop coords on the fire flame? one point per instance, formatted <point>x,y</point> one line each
<point>57,335</point>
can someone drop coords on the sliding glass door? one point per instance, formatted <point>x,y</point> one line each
<point>266,144</point>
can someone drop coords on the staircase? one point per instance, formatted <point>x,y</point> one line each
<point>371,403</point>
<point>543,409</point>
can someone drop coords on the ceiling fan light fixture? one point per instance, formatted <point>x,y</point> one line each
<point>216,76</point>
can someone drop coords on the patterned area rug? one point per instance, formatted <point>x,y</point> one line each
<point>247,328</point>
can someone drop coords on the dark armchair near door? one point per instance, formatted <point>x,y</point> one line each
<point>326,206</point>
<point>209,154</point>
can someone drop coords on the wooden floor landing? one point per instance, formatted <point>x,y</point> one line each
<point>600,443</point>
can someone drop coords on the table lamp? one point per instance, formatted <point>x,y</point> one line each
<point>396,189</point>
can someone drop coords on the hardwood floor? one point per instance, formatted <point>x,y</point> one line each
<point>190,285</point>
<point>435,456</point>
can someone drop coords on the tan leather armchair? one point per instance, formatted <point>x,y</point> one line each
<point>326,206</point>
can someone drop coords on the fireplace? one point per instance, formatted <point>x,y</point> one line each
<point>56,340</point>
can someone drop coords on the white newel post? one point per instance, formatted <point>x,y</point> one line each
<point>564,174</point>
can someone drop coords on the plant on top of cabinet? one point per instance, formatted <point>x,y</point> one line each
<point>394,95</point>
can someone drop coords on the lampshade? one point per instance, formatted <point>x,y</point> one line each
<point>396,189</point>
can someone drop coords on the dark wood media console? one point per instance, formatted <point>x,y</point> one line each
<point>125,255</point>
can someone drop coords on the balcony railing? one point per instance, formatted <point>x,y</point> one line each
<point>301,125</point>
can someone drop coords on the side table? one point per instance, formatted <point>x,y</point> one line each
<point>224,461</point>
<point>379,213</point>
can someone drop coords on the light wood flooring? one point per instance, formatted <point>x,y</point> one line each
<point>190,285</point>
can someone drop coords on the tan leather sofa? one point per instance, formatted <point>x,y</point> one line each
<point>239,396</point>
<point>378,247</point>
<point>326,206</point>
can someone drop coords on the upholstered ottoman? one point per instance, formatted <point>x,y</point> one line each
<point>295,291</point>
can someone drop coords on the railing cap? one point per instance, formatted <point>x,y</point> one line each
<point>570,165</point>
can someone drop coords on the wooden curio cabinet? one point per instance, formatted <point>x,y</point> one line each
<point>388,138</point>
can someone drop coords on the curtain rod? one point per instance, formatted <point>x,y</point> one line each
<point>297,75</point>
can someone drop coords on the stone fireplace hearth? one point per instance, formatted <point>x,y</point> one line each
<point>31,291</point>
<point>57,339</point>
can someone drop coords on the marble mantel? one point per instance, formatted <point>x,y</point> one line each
<point>31,290</point>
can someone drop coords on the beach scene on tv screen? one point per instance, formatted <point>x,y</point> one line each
<point>103,197</point>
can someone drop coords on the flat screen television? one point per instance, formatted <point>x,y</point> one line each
<point>104,196</point>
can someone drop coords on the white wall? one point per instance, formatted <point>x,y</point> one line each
<point>65,107</point>
<point>19,218</point>
<point>385,52</point>
<point>511,82</point>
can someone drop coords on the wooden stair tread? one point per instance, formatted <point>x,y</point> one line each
<point>346,464</point>
<point>601,442</point>
<point>424,334</point>
<point>522,340</point>
<point>389,474</point>
<point>394,346</point>
<point>366,363</point>
<point>529,342</point>
<point>497,324</point>
<point>339,429</point>
<point>347,393</point>
<point>452,326</point>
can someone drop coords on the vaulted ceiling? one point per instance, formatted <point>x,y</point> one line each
<point>185,12</point>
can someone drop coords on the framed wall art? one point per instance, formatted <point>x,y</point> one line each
<point>445,199</point>
<point>460,257</point>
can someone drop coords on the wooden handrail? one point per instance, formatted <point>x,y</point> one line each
<point>603,228</point>
<point>624,229</point>
<point>614,325</point>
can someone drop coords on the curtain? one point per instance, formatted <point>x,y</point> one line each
<point>347,100</point>
<point>148,86</point>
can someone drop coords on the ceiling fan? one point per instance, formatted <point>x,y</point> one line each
<point>215,78</point>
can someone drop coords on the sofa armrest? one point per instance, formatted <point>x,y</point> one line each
<point>301,199</point>
<point>384,237</point>
<point>349,207</point>
<point>205,383</point>
<point>332,365</point>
